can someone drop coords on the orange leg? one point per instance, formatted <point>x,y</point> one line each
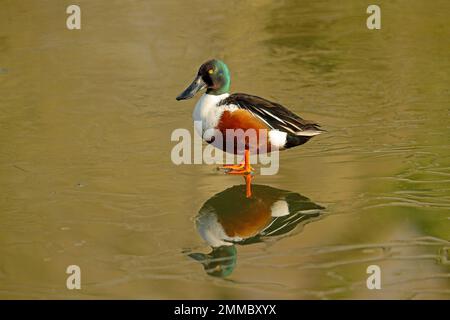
<point>243,168</point>
<point>248,185</point>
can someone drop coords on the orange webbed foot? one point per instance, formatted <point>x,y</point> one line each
<point>242,169</point>
<point>233,166</point>
<point>238,168</point>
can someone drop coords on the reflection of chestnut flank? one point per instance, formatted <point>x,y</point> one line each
<point>230,217</point>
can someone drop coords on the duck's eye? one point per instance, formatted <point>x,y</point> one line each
<point>211,71</point>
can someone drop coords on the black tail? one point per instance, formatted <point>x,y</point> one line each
<point>293,140</point>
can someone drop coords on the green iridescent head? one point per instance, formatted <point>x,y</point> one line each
<point>213,76</point>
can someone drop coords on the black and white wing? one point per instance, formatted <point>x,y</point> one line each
<point>274,115</point>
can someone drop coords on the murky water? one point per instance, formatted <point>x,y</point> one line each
<point>85,171</point>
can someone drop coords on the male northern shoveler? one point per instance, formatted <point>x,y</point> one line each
<point>219,110</point>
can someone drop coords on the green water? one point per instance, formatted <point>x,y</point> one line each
<point>85,171</point>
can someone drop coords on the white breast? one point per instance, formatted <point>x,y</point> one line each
<point>212,231</point>
<point>207,113</point>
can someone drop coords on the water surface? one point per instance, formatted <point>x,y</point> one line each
<point>85,171</point>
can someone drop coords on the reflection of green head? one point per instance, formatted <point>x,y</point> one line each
<point>220,262</point>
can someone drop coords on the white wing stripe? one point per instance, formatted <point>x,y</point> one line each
<point>261,118</point>
<point>288,129</point>
<point>273,116</point>
<point>308,133</point>
<point>295,126</point>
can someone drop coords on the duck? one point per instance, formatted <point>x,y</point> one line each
<point>229,218</point>
<point>276,127</point>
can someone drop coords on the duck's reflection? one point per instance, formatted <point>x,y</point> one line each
<point>233,217</point>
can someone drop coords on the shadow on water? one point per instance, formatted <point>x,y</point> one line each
<point>231,218</point>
